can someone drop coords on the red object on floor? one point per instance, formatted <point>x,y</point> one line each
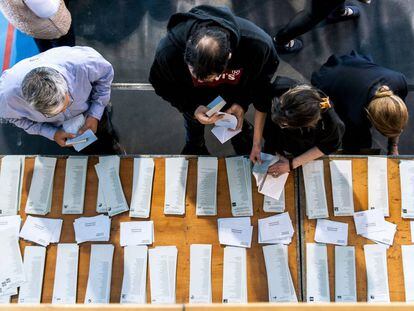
<point>8,48</point>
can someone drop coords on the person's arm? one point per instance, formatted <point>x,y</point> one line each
<point>35,128</point>
<point>259,121</point>
<point>393,145</point>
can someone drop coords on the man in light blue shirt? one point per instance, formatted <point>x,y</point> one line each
<point>39,93</point>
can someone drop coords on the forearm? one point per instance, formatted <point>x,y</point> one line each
<point>310,155</point>
<point>393,142</point>
<point>259,121</point>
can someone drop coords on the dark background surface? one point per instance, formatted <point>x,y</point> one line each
<point>126,32</point>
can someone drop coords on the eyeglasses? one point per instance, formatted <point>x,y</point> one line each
<point>66,106</point>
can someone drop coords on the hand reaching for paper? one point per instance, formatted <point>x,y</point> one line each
<point>237,111</point>
<point>200,115</point>
<point>61,136</point>
<point>280,167</point>
<point>90,123</point>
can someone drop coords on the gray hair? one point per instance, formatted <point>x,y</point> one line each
<point>45,90</point>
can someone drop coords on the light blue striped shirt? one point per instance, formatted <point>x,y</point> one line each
<point>88,76</point>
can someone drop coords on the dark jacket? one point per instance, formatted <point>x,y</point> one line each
<point>252,51</point>
<point>351,81</point>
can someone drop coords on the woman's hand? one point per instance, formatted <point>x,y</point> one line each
<point>280,167</point>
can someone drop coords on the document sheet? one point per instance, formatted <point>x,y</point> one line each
<point>215,106</point>
<point>271,205</point>
<point>378,184</point>
<point>408,267</point>
<point>235,231</point>
<point>277,229</point>
<point>200,273</point>
<point>142,187</point>
<point>317,276</point>
<point>11,180</point>
<point>97,228</point>
<point>11,224</point>
<point>345,274</point>
<point>114,161</point>
<point>377,273</point>
<point>175,185</point>
<point>206,202</point>
<point>42,231</point>
<point>234,275</point>
<point>316,205</point>
<point>342,189</point>
<point>75,182</point>
<point>331,232</point>
<point>407,186</point>
<point>225,128</point>
<point>137,233</point>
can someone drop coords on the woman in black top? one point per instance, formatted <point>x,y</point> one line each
<point>364,94</point>
<point>303,124</point>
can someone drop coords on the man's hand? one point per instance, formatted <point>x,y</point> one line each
<point>255,153</point>
<point>200,115</point>
<point>393,150</point>
<point>237,111</point>
<point>280,167</point>
<point>90,123</point>
<point>61,136</point>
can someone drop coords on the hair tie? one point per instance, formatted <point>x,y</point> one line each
<point>325,104</point>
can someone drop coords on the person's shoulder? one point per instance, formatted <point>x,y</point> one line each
<point>167,52</point>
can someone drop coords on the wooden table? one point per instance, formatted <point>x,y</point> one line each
<point>360,187</point>
<point>181,231</point>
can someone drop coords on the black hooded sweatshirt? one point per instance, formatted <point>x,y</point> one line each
<point>247,78</point>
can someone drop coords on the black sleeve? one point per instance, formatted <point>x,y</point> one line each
<point>332,131</point>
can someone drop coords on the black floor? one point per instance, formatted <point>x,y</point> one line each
<point>126,32</point>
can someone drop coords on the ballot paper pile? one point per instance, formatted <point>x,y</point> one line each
<point>240,183</point>
<point>372,225</point>
<point>42,231</point>
<point>75,183</point>
<point>277,229</point>
<point>39,201</point>
<point>175,185</point>
<point>235,231</point>
<point>267,184</point>
<point>407,186</point>
<point>234,275</point>
<point>81,141</point>
<point>331,232</point>
<point>11,179</point>
<point>200,273</point>
<point>111,197</point>
<point>142,187</point>
<point>137,233</point>
<point>95,228</point>
<point>206,201</point>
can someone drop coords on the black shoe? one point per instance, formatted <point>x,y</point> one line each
<point>350,12</point>
<point>117,148</point>
<point>293,46</point>
<point>194,150</point>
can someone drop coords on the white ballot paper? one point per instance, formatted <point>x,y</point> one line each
<point>369,221</point>
<point>345,274</point>
<point>271,205</point>
<point>407,186</point>
<point>235,231</point>
<point>98,289</point>
<point>97,228</point>
<point>34,266</point>
<point>5,299</point>
<point>377,273</point>
<point>215,106</point>
<point>113,194</point>
<point>207,169</point>
<point>342,189</point>
<point>11,179</point>
<point>331,232</point>
<point>225,128</point>
<point>73,126</point>
<point>42,231</point>
<point>240,184</point>
<point>317,276</point>
<point>266,183</point>
<point>313,174</point>
<point>134,283</point>
<point>407,252</point>
<point>75,182</point>
<point>277,229</point>
<point>200,273</point>
<point>11,269</point>
<point>163,273</point>
<point>66,274</point>
<point>378,184</point>
<point>142,187</point>
<point>386,236</point>
<point>175,185</point>
<point>137,233</point>
<point>39,201</point>
<point>234,275</point>
<point>279,279</point>
<point>114,161</point>
<point>11,224</point>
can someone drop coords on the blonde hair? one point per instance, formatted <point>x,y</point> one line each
<point>387,112</point>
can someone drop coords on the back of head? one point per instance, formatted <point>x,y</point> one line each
<point>207,51</point>
<point>301,106</point>
<point>387,112</point>
<point>45,90</point>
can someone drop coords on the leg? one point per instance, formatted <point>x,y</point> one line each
<point>243,142</point>
<point>194,139</point>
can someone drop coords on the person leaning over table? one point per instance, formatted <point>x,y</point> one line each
<point>365,94</point>
<point>302,124</point>
<point>209,52</point>
<point>39,93</point>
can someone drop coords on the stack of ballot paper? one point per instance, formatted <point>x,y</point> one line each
<point>407,252</point>
<point>378,184</point>
<point>345,274</point>
<point>279,279</point>
<point>215,106</point>
<point>235,231</point>
<point>317,276</point>
<point>95,228</point>
<point>407,186</point>
<point>12,274</point>
<point>271,205</point>
<point>106,160</point>
<point>163,274</point>
<point>200,273</point>
<point>277,229</point>
<point>42,231</point>
<point>75,182</point>
<point>11,223</point>
<point>137,233</point>
<point>142,187</point>
<point>206,202</point>
<point>39,201</point>
<point>225,128</point>
<point>110,186</point>
<point>11,179</point>
<point>342,189</point>
<point>372,225</point>
<point>266,183</point>
<point>134,283</point>
<point>313,175</point>
<point>234,275</point>
<point>73,126</point>
<point>240,183</point>
<point>377,273</point>
<point>175,185</point>
<point>331,232</point>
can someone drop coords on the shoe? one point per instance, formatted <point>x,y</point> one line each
<point>350,12</point>
<point>194,150</point>
<point>365,1</point>
<point>293,46</point>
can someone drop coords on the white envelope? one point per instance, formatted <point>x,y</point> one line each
<point>331,232</point>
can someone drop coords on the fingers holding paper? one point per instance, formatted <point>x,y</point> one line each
<point>238,112</point>
<point>203,118</point>
<point>280,167</point>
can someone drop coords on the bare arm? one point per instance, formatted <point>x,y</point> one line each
<point>259,121</point>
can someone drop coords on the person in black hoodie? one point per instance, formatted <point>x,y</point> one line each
<point>209,52</point>
<point>364,94</point>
